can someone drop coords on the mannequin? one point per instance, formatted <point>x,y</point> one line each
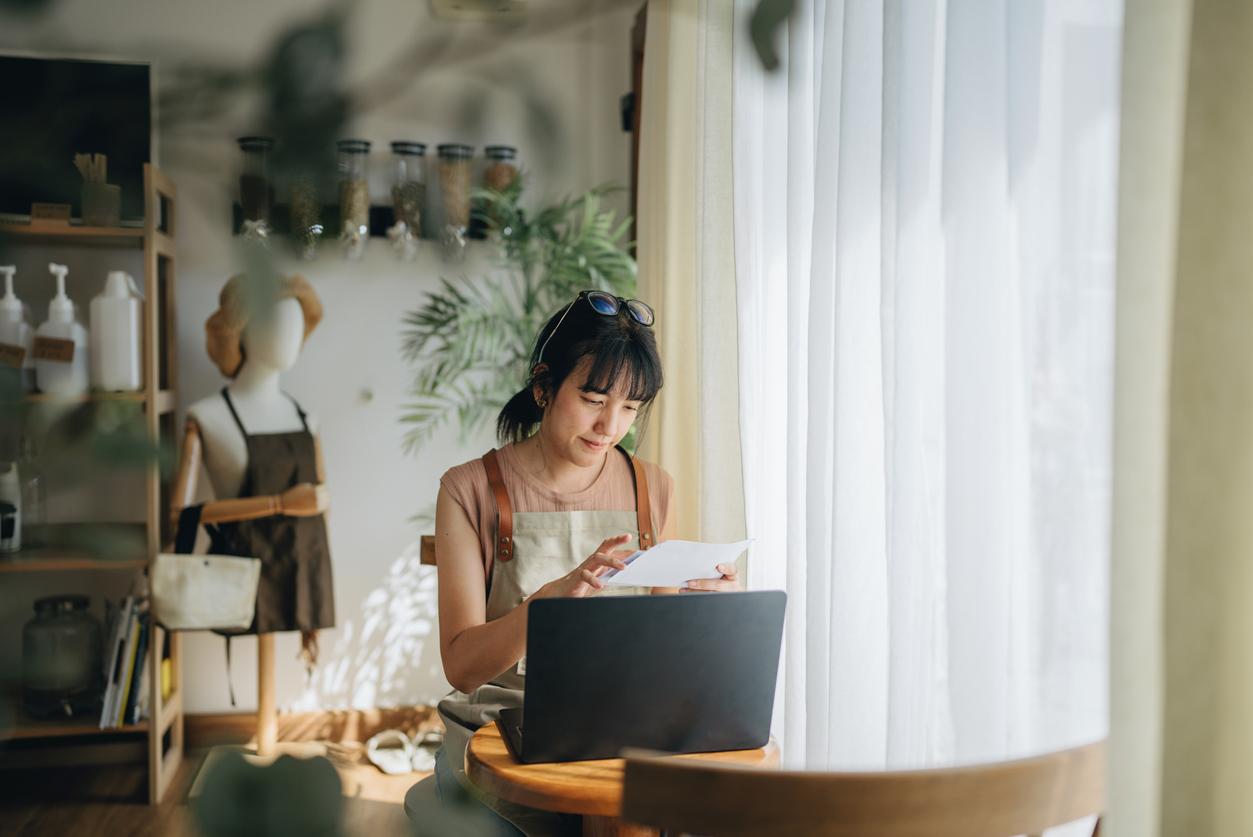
<point>254,350</point>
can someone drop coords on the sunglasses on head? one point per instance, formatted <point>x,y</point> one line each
<point>607,305</point>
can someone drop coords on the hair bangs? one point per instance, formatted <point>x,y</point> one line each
<point>628,364</point>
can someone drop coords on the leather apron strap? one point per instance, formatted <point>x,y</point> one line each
<point>643,509</point>
<point>504,509</point>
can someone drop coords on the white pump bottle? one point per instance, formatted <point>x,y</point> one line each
<point>15,333</point>
<point>61,345</point>
<point>116,335</point>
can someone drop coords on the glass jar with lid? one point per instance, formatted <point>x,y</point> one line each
<point>408,195</point>
<point>455,174</point>
<point>306,213</point>
<point>256,189</point>
<point>499,176</point>
<point>61,658</point>
<point>502,167</point>
<point>354,194</point>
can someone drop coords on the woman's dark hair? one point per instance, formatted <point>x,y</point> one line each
<point>620,348</point>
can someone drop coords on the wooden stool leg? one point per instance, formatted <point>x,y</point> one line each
<point>614,827</point>
<point>267,715</point>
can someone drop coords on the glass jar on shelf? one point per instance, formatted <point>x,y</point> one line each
<point>306,213</point>
<point>499,175</point>
<point>61,659</point>
<point>354,195</point>
<point>256,189</point>
<point>502,167</point>
<point>455,161</point>
<point>408,195</point>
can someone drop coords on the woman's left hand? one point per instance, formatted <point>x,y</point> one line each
<point>729,581</point>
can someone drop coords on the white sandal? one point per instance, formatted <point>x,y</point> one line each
<point>391,751</point>
<point>425,744</point>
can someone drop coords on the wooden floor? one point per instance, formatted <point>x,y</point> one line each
<point>112,800</point>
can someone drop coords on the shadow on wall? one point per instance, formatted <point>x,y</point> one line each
<point>389,653</point>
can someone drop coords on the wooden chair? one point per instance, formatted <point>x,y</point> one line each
<point>427,554</point>
<point>989,800</point>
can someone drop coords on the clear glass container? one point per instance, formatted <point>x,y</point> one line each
<point>256,188</point>
<point>408,195</point>
<point>502,167</point>
<point>499,174</point>
<point>61,659</point>
<point>306,214</point>
<point>354,194</point>
<point>34,494</point>
<point>455,174</point>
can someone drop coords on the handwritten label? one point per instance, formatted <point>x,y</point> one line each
<point>54,349</point>
<point>12,356</point>
<point>50,213</point>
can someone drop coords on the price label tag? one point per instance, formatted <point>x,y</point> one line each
<point>54,349</point>
<point>50,213</point>
<point>12,356</point>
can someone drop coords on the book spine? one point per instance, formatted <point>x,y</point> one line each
<point>141,665</point>
<point>128,668</point>
<point>118,647</point>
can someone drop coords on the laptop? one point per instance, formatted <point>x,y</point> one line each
<point>691,673</point>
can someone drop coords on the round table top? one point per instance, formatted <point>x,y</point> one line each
<point>591,788</point>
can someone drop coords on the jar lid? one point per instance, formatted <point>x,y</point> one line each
<point>409,147</point>
<point>500,152</point>
<point>456,150</point>
<point>62,603</point>
<point>255,143</point>
<point>353,146</point>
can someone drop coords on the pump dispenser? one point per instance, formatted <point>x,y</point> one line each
<point>116,331</point>
<point>61,345</point>
<point>15,333</point>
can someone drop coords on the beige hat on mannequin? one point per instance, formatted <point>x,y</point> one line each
<point>239,301</point>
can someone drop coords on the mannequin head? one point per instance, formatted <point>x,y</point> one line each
<point>273,339</point>
<point>267,318</point>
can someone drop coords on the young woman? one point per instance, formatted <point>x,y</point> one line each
<point>544,516</point>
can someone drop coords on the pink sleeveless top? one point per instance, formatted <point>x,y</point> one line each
<point>613,490</point>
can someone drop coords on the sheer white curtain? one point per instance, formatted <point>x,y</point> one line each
<point>924,201</point>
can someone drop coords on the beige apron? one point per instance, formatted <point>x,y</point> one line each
<point>532,549</point>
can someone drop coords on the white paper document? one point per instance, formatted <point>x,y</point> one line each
<point>673,563</point>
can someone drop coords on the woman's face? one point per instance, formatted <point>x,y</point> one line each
<point>581,426</point>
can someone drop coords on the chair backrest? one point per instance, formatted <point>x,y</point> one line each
<point>990,800</point>
<point>428,550</point>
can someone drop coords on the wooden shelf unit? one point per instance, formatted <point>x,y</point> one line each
<point>164,727</point>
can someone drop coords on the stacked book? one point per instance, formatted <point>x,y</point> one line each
<point>127,675</point>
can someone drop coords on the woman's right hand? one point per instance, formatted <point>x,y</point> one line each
<point>584,580</point>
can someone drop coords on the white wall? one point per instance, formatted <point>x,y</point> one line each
<point>384,650</point>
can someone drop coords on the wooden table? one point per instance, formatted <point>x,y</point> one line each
<point>590,788</point>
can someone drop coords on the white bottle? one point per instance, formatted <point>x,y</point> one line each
<point>116,322</point>
<point>15,333</point>
<point>61,345</point>
<point>10,508</point>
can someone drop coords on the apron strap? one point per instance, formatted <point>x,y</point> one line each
<point>643,508</point>
<point>303,418</point>
<point>230,405</point>
<point>504,509</point>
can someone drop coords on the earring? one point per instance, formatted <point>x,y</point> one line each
<point>541,402</point>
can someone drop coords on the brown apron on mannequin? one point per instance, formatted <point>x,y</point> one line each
<point>295,591</point>
<point>533,548</point>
